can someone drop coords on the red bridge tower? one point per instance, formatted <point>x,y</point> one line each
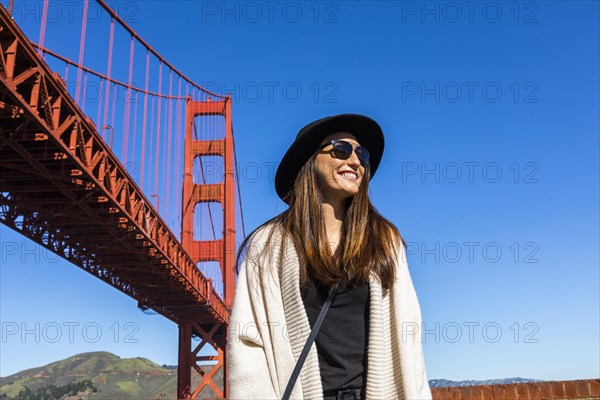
<point>220,250</point>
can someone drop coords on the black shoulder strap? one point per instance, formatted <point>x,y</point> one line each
<point>309,342</point>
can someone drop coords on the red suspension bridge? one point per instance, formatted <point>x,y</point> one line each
<point>98,150</point>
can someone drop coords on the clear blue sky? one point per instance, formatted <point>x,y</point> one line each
<point>490,171</point>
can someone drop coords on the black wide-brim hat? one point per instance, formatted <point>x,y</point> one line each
<point>367,132</point>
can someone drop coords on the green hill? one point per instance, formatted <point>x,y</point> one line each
<point>97,375</point>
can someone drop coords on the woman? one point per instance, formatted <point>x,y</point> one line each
<point>369,345</point>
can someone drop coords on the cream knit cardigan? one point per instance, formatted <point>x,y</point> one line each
<point>269,326</point>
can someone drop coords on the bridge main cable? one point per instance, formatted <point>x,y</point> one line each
<point>114,15</point>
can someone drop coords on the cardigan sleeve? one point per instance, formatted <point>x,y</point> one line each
<point>409,312</point>
<point>248,375</point>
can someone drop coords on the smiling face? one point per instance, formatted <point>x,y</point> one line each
<point>340,179</point>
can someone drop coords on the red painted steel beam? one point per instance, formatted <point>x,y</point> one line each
<point>229,276</point>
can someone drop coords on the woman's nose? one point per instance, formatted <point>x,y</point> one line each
<point>353,160</point>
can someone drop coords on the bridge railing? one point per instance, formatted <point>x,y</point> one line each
<point>547,390</point>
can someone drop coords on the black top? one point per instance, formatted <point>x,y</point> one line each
<point>343,337</point>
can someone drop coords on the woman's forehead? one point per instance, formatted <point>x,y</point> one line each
<point>340,135</point>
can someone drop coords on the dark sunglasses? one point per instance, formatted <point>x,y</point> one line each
<point>343,150</point>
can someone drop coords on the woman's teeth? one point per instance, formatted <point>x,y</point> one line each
<point>348,175</point>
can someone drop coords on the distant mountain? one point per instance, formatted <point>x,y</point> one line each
<point>97,375</point>
<point>447,383</point>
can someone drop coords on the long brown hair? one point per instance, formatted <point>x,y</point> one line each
<point>368,241</point>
